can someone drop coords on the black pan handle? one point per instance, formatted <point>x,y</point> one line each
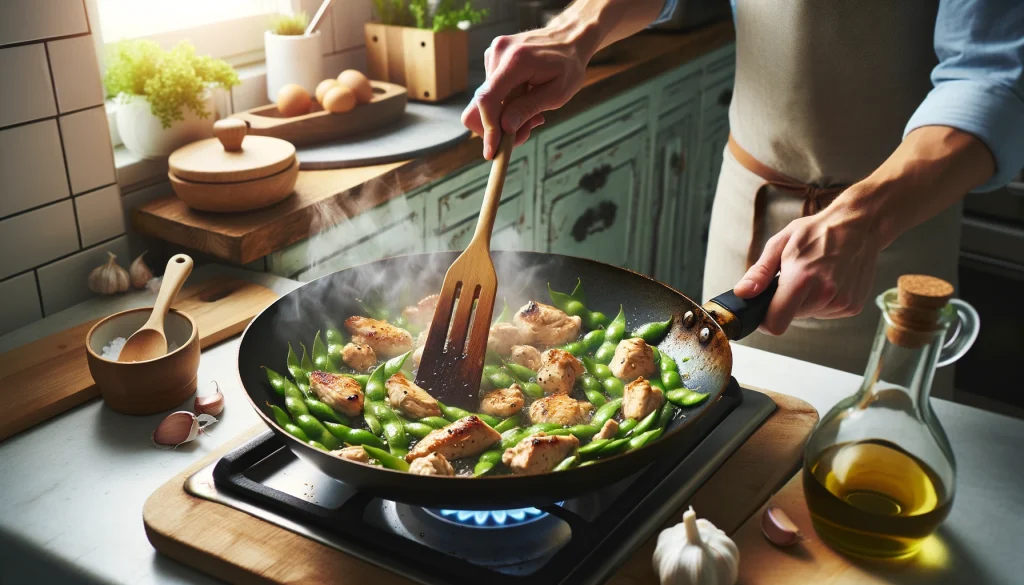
<point>741,317</point>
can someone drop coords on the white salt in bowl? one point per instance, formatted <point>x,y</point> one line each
<point>149,386</point>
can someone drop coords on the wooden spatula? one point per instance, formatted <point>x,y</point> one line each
<point>150,342</point>
<point>451,365</point>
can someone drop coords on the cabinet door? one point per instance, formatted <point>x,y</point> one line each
<point>672,195</point>
<point>592,209</point>
<point>453,207</point>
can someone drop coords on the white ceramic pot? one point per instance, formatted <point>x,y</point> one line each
<point>143,135</point>
<point>293,59</point>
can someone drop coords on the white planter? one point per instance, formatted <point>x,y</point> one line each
<point>293,59</point>
<point>143,135</point>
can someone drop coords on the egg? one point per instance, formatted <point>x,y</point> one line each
<point>293,100</point>
<point>358,83</point>
<point>323,87</point>
<point>339,100</point>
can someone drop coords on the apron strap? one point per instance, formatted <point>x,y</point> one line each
<point>815,198</point>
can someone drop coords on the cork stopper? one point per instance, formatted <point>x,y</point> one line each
<point>920,299</point>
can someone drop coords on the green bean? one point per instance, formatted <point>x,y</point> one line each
<point>386,459</point>
<point>532,389</point>
<point>595,397</point>
<point>394,365</point>
<point>316,431</point>
<point>613,447</point>
<point>501,380</point>
<point>491,369</point>
<point>593,339</point>
<point>653,332</point>
<point>277,381</point>
<point>454,413</point>
<point>488,459</point>
<point>352,436</point>
<point>617,328</point>
<point>671,380</point>
<point>647,423</point>
<point>583,432</point>
<point>491,421</point>
<point>685,397</point>
<point>606,412</point>
<point>285,422</point>
<point>559,432</point>
<point>668,410</point>
<point>375,384</point>
<point>626,427</point>
<point>321,360</point>
<point>594,446</point>
<point>668,364</point>
<point>417,429</point>
<point>590,382</point>
<point>317,445</point>
<point>295,368</point>
<point>643,438</point>
<point>394,430</point>
<point>373,424</point>
<point>576,348</point>
<point>520,372</point>
<point>599,371</point>
<point>605,353</point>
<point>511,438</point>
<point>613,386</point>
<point>567,463</point>
<point>435,421</point>
<point>324,412</point>
<point>305,362</point>
<point>509,423</point>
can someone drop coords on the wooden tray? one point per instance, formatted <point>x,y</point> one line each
<point>48,376</point>
<point>387,105</point>
<point>239,548</point>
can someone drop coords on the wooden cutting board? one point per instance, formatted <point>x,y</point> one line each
<point>46,377</point>
<point>239,548</point>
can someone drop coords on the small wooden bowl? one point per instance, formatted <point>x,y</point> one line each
<point>151,386</point>
<point>236,197</point>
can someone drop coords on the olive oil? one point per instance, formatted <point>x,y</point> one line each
<point>874,499</point>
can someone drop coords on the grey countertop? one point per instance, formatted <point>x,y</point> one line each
<point>72,488</point>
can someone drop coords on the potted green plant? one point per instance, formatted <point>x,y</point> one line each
<point>164,97</point>
<point>425,50</point>
<point>292,56</point>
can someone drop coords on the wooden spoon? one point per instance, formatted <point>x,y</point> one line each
<point>451,365</point>
<point>149,342</point>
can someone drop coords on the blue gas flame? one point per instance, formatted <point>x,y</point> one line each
<point>493,518</point>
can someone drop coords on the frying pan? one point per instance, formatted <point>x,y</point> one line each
<point>699,333</point>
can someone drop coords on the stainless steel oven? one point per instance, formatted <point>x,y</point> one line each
<point>992,279</point>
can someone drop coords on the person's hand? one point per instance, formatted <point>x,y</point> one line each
<point>826,265</point>
<point>549,60</point>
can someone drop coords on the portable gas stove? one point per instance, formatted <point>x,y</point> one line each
<point>582,540</point>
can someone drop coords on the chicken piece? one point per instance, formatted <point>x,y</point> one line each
<point>433,464</point>
<point>633,359</point>
<point>504,402</point>
<point>608,431</point>
<point>341,393</point>
<point>560,409</point>
<point>358,357</point>
<point>502,337</point>
<point>526,356</point>
<point>640,399</point>
<point>539,453</point>
<point>356,453</point>
<point>413,401</point>
<point>386,340</point>
<point>417,355</point>
<point>422,313</point>
<point>542,324</point>
<point>558,371</point>
<point>463,438</point>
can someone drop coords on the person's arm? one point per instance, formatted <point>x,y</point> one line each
<point>967,134</point>
<point>552,60</point>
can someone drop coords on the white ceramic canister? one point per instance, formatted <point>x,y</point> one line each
<point>293,59</point>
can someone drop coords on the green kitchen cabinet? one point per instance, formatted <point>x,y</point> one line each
<point>453,206</point>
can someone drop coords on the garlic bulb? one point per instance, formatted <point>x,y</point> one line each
<point>139,272</point>
<point>212,404</point>
<point>108,278</point>
<point>180,428</point>
<point>696,553</point>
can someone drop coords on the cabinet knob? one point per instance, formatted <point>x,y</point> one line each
<point>595,179</point>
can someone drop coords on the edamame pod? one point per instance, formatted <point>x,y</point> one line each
<point>352,436</point>
<point>653,332</point>
<point>594,339</point>
<point>613,386</point>
<point>375,384</point>
<point>324,412</point>
<point>322,361</point>
<point>285,422</point>
<point>567,463</point>
<point>597,370</point>
<point>643,439</point>
<point>626,427</point>
<point>606,412</point>
<point>435,422</point>
<point>394,365</point>
<point>386,459</point>
<point>295,367</point>
<point>316,431</point>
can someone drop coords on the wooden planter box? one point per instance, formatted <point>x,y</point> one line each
<point>431,65</point>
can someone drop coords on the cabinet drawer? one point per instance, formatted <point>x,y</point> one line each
<point>577,144</point>
<point>593,209</point>
<point>680,91</point>
<point>456,200</point>
<point>405,236</point>
<point>511,231</point>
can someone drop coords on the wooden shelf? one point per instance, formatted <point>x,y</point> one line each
<point>242,238</point>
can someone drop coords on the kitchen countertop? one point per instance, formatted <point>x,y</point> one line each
<point>324,198</point>
<point>73,487</point>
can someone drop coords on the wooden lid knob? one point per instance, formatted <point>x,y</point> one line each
<point>919,299</point>
<point>230,132</point>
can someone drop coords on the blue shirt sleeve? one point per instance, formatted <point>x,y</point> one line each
<point>666,11</point>
<point>979,81</point>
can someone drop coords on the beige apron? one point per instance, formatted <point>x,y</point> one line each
<point>823,92</point>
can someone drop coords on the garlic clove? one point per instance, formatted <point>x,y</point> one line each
<point>140,273</point>
<point>212,404</point>
<point>109,278</point>
<point>778,528</point>
<point>180,428</point>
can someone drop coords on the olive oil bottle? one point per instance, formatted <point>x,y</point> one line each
<point>879,474</point>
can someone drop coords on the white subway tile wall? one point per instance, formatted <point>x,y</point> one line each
<point>76,73</point>
<point>31,167</point>
<point>60,209</point>
<point>25,90</point>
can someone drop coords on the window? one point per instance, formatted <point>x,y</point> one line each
<point>227,29</point>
